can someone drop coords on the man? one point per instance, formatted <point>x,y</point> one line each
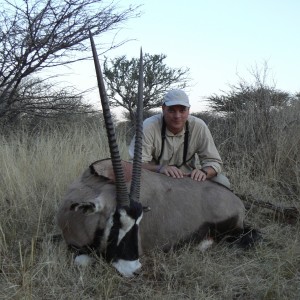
<point>174,143</point>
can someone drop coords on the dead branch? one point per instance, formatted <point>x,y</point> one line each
<point>290,214</point>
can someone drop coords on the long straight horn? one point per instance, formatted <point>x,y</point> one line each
<point>121,189</point>
<point>137,160</point>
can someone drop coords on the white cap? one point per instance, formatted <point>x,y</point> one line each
<point>176,97</point>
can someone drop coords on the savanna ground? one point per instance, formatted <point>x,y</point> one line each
<point>262,159</point>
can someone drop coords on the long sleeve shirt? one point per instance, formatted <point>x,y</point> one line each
<point>201,151</point>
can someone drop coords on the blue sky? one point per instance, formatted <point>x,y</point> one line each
<point>219,40</point>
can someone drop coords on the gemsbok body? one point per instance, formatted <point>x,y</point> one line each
<point>94,220</point>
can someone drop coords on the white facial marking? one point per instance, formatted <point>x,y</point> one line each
<point>139,219</point>
<point>205,244</point>
<point>83,260</point>
<point>127,223</point>
<point>127,267</point>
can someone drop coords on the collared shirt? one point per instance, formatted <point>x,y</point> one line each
<point>201,151</point>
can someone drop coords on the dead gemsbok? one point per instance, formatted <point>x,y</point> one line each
<point>98,216</point>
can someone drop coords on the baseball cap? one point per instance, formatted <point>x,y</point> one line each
<point>176,97</point>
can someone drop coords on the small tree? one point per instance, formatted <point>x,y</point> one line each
<point>41,34</point>
<point>243,96</point>
<point>251,125</point>
<point>257,96</point>
<point>121,76</point>
<point>253,105</point>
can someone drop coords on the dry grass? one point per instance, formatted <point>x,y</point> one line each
<point>35,172</point>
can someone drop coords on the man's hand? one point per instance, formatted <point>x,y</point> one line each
<point>203,174</point>
<point>172,171</point>
<point>198,175</point>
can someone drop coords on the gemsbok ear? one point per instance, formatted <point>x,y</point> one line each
<point>105,169</point>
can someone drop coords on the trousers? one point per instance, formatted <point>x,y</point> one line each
<point>221,179</point>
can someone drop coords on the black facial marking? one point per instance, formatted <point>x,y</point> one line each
<point>127,249</point>
<point>111,249</point>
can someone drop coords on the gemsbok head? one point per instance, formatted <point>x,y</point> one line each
<point>102,212</point>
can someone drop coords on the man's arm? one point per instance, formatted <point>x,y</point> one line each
<point>209,172</point>
<point>208,154</point>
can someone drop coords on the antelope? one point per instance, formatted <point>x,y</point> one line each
<point>99,216</point>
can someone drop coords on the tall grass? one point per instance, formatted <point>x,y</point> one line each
<point>261,144</point>
<point>38,165</point>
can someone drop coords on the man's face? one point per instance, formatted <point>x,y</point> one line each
<point>175,117</point>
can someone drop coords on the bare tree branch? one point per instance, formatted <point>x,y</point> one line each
<point>290,214</point>
<point>43,34</point>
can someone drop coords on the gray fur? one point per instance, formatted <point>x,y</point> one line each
<point>179,208</point>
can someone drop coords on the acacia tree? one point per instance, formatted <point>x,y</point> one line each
<point>250,119</point>
<point>41,34</point>
<point>243,96</point>
<point>258,96</point>
<point>121,76</point>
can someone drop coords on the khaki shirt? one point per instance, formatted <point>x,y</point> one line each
<point>201,152</point>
